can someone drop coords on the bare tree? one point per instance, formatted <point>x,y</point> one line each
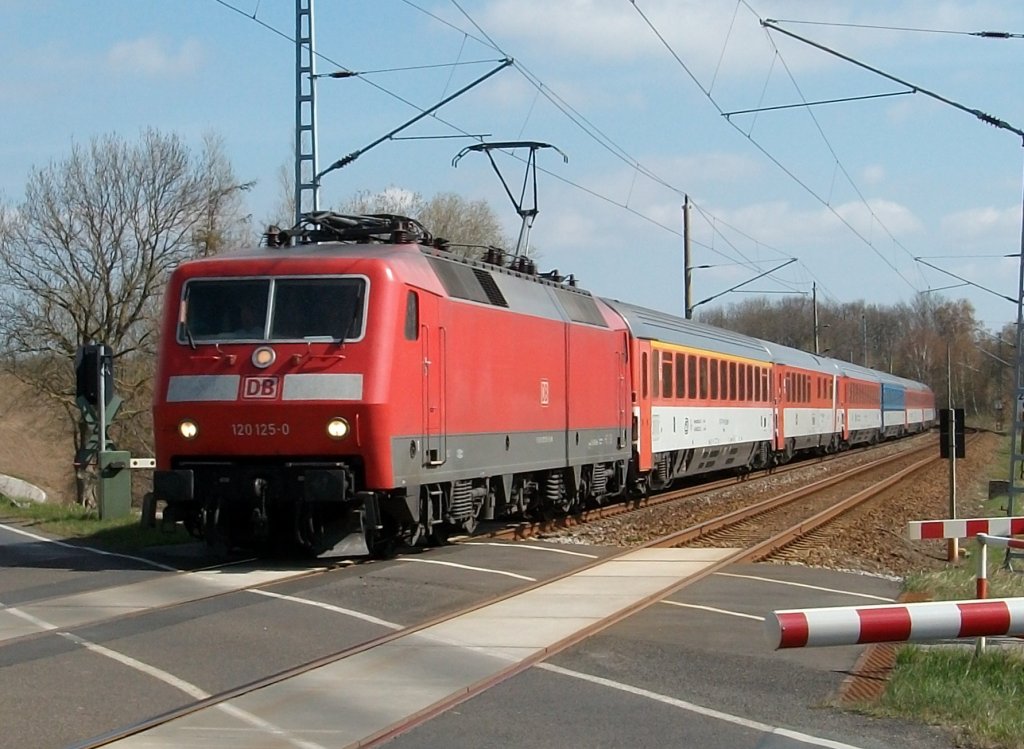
<point>911,340</point>
<point>84,256</point>
<point>470,225</point>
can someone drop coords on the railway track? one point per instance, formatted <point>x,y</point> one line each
<point>771,529</point>
<point>538,528</point>
<point>759,532</point>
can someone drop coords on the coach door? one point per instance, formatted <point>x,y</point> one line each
<point>623,393</point>
<point>432,336</point>
<point>642,418</point>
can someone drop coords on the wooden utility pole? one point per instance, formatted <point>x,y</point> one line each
<point>953,554</point>
<point>687,268</point>
<point>814,304</point>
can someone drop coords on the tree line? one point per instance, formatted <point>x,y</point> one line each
<point>932,340</point>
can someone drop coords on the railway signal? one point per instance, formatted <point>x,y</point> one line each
<point>95,396</point>
<point>951,433</point>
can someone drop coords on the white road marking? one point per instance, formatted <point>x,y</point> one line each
<point>35,621</point>
<point>530,546</point>
<point>188,688</point>
<point>157,673</point>
<point>805,585</point>
<point>467,567</point>
<point>329,607</point>
<point>693,708</point>
<point>36,537</point>
<point>713,610</point>
<point>199,694</point>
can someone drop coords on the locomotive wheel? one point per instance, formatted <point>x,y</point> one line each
<point>311,531</point>
<point>381,547</point>
<point>439,535</point>
<point>217,541</point>
<point>382,542</point>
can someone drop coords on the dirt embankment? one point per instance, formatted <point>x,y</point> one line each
<point>35,441</point>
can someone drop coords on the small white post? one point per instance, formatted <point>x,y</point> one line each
<point>981,586</point>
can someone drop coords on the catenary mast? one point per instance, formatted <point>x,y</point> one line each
<point>306,170</point>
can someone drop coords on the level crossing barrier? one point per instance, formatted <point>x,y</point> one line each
<point>964,527</point>
<point>909,622</point>
<point>915,622</point>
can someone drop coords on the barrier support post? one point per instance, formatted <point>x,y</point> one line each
<point>981,585</point>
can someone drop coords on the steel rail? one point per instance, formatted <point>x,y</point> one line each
<point>483,685</point>
<point>527,529</point>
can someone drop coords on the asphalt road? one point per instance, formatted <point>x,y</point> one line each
<point>672,675</point>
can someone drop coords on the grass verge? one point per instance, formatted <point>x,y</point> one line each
<point>82,524</point>
<point>979,697</point>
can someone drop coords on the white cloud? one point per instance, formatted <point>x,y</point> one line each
<point>983,224</point>
<point>778,224</point>
<point>866,217</point>
<point>152,57</point>
<point>712,39</point>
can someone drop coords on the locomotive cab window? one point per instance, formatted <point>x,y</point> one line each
<point>260,309</point>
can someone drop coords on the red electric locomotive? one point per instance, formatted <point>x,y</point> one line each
<point>366,386</point>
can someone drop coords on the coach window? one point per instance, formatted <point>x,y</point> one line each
<point>742,386</point>
<point>680,382</point>
<point>412,316</point>
<point>655,374</point>
<point>691,377</point>
<point>714,379</point>
<point>732,380</point>
<point>666,375</point>
<point>703,374</point>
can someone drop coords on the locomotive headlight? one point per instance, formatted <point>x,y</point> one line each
<point>188,429</point>
<point>263,357</point>
<point>337,429</point>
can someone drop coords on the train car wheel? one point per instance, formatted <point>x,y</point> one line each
<point>382,545</point>
<point>439,535</point>
<point>217,540</point>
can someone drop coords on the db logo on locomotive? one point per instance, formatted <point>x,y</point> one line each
<point>260,387</point>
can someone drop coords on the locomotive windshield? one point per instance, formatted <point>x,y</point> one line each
<point>274,309</point>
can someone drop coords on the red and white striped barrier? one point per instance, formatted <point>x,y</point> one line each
<point>966,528</point>
<point>911,622</point>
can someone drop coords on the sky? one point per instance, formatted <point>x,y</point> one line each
<point>649,100</point>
